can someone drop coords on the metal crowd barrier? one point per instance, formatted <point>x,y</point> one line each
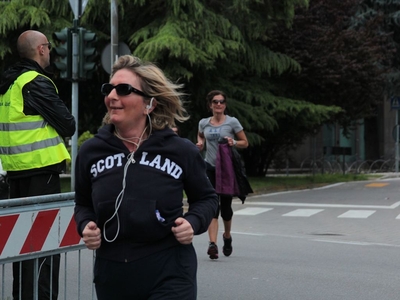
<point>36,227</point>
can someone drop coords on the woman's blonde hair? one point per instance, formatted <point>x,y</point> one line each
<point>154,83</point>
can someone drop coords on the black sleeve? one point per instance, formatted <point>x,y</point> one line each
<point>41,97</point>
<point>84,210</point>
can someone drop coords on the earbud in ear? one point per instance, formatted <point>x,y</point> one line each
<point>151,103</point>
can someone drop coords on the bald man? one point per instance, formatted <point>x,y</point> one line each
<point>32,151</point>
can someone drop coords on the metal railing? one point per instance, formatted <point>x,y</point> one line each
<point>76,262</point>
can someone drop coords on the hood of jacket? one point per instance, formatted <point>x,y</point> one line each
<point>106,133</point>
<point>10,75</point>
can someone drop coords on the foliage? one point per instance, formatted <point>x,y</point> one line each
<point>342,67</point>
<point>204,44</point>
<point>217,45</point>
<point>291,130</point>
<point>340,63</point>
<point>389,12</point>
<point>84,137</point>
<point>233,45</point>
<point>19,15</point>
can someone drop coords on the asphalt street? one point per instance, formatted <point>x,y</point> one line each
<point>333,243</point>
<point>337,242</point>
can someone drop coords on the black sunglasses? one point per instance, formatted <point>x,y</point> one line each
<point>48,45</point>
<point>122,89</point>
<point>219,101</point>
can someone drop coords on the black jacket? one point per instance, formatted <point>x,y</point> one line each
<point>40,98</point>
<point>241,177</point>
<point>164,166</point>
<point>241,188</point>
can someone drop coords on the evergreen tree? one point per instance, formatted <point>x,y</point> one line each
<point>389,12</point>
<point>341,64</point>
<point>204,44</point>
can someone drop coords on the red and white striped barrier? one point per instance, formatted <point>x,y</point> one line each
<point>37,231</point>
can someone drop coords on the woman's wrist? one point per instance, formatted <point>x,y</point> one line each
<point>234,143</point>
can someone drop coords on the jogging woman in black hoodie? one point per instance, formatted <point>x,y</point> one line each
<point>130,180</point>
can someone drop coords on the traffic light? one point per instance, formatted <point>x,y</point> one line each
<point>87,53</point>
<point>63,51</point>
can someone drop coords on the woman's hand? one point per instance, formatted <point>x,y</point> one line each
<point>231,141</point>
<point>92,236</point>
<point>241,141</point>
<point>200,146</point>
<point>183,231</point>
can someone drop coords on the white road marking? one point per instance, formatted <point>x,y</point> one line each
<point>297,191</point>
<point>251,211</point>
<point>358,214</point>
<point>343,242</point>
<point>356,243</point>
<point>393,206</point>
<point>302,212</point>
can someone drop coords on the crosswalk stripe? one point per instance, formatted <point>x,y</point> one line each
<point>302,212</point>
<point>251,211</point>
<point>358,214</point>
<point>322,205</point>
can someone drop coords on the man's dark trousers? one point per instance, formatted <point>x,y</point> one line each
<point>49,267</point>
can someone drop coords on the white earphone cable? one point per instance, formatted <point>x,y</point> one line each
<point>118,201</point>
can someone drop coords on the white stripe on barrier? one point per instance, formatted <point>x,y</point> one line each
<point>37,231</point>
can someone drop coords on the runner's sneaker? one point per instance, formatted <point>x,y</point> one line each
<point>227,248</point>
<point>213,250</point>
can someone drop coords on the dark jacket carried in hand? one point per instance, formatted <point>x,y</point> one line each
<point>230,173</point>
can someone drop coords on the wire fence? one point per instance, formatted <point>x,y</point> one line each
<point>335,165</point>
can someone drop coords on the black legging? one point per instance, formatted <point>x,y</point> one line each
<point>225,201</point>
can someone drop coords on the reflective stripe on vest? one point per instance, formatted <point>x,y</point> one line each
<point>22,126</point>
<point>26,141</point>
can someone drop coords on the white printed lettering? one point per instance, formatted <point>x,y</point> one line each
<point>100,165</point>
<point>93,170</point>
<point>176,172</point>
<point>156,162</point>
<point>108,163</point>
<point>168,166</point>
<point>119,158</point>
<point>143,160</point>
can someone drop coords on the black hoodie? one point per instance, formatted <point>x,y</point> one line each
<point>163,167</point>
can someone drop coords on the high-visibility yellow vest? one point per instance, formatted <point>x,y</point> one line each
<point>26,142</point>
